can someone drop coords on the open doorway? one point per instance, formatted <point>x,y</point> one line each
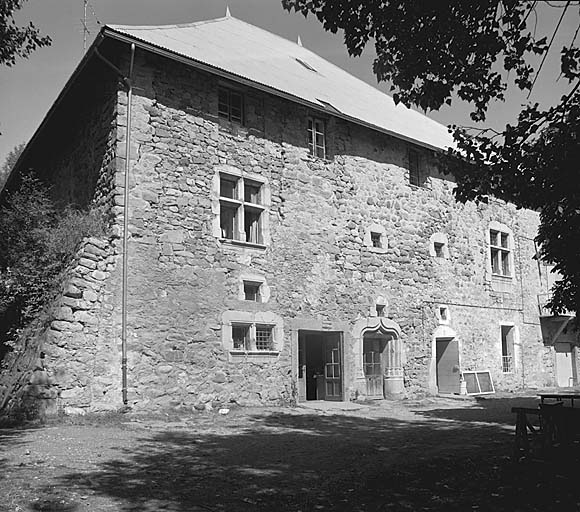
<point>320,367</point>
<point>565,365</point>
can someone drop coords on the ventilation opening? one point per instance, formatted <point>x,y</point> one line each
<point>306,65</point>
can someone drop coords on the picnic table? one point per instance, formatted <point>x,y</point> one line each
<point>552,423</point>
<point>559,397</point>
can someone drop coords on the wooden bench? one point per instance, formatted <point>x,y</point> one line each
<point>525,428</point>
<point>556,426</point>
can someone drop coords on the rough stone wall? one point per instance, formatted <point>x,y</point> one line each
<point>319,270</point>
<point>75,152</point>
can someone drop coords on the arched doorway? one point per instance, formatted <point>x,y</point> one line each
<point>381,357</point>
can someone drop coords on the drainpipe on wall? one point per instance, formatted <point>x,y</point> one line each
<point>129,86</point>
<point>126,228</point>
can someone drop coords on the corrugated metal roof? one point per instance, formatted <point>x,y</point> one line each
<point>259,56</point>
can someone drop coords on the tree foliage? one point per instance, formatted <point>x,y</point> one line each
<point>37,243</point>
<point>17,41</point>
<point>10,162</point>
<point>432,52</point>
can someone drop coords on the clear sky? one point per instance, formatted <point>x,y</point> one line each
<point>28,89</point>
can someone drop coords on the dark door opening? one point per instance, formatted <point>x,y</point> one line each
<point>320,366</point>
<point>447,357</point>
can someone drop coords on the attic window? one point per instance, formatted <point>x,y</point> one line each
<point>306,65</point>
<point>230,105</point>
<point>414,169</point>
<point>316,137</point>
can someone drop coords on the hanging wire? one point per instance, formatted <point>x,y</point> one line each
<point>549,46</point>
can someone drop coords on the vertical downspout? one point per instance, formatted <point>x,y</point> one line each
<point>129,84</point>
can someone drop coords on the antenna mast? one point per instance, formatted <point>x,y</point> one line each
<point>85,29</point>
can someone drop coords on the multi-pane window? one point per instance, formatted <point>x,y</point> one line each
<point>500,253</point>
<point>230,105</point>
<point>414,169</point>
<point>264,337</point>
<point>241,209</point>
<point>249,337</point>
<point>316,137</point>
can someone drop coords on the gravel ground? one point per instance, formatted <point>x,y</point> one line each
<point>430,454</point>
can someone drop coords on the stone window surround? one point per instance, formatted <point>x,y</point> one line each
<point>230,318</point>
<point>254,278</point>
<point>215,205</point>
<point>439,238</point>
<point>375,227</point>
<point>500,281</point>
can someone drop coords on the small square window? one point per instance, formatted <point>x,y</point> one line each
<point>376,240</point>
<point>443,314</point>
<point>380,309</point>
<point>439,249</point>
<point>241,336</point>
<point>252,291</point>
<point>264,337</point>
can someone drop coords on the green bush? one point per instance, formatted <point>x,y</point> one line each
<point>37,243</point>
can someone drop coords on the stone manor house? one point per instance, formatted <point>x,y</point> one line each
<point>290,236</point>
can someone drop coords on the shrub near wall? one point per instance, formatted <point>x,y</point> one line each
<point>38,242</point>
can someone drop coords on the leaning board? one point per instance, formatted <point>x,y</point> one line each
<point>479,382</point>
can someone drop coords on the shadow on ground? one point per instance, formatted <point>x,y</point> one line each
<point>448,459</point>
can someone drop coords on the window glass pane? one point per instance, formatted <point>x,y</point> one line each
<point>438,249</point>
<point>504,240</point>
<point>252,226</point>
<point>252,291</point>
<point>493,237</point>
<point>376,239</point>
<point>227,221</point>
<point>240,336</point>
<point>228,187</point>
<point>236,101</point>
<point>223,103</point>
<point>505,263</point>
<point>264,337</point>
<point>495,261</point>
<point>319,127</point>
<point>320,152</point>
<point>252,192</point>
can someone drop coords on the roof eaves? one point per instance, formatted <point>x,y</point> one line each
<point>124,37</point>
<point>87,56</point>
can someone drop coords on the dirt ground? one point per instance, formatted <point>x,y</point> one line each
<point>431,454</point>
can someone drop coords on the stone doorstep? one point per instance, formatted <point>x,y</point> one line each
<point>324,405</point>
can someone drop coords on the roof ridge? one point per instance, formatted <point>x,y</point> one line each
<point>171,25</point>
